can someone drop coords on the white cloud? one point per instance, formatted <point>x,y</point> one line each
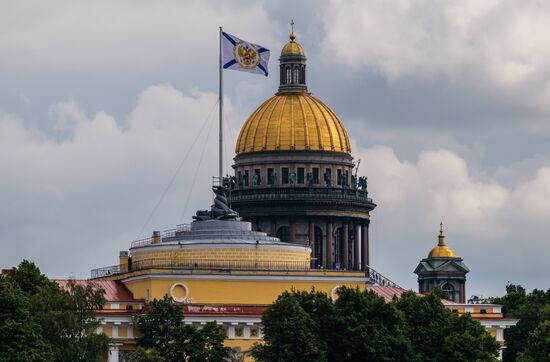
<point>483,43</point>
<point>499,230</point>
<point>122,35</point>
<point>89,192</point>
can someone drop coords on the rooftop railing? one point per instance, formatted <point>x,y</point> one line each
<point>378,279</point>
<point>257,193</point>
<point>170,233</point>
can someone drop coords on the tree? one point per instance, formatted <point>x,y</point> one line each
<point>367,328</point>
<point>47,322</point>
<point>20,337</point>
<point>145,355</point>
<point>436,334</point>
<point>163,330</point>
<point>537,348</point>
<point>530,308</point>
<point>290,333</point>
<point>302,326</point>
<point>361,326</point>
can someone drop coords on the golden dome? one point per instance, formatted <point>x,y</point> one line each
<point>441,250</point>
<point>293,121</point>
<point>292,48</point>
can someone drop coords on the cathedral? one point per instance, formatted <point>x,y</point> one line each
<point>295,214</point>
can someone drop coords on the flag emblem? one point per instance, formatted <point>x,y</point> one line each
<point>244,56</point>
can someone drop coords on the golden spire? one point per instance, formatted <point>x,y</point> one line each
<point>292,35</point>
<point>441,235</point>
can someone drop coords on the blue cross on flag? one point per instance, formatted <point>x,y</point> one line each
<point>244,56</point>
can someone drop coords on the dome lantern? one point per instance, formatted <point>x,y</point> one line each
<point>292,66</point>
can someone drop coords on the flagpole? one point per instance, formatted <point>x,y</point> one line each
<point>220,101</point>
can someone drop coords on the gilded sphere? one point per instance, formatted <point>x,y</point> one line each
<point>293,121</point>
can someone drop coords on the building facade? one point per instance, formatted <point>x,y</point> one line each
<point>443,270</point>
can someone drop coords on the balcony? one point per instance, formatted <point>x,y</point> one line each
<point>297,193</point>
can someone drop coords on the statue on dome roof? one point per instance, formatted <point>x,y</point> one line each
<point>220,210</point>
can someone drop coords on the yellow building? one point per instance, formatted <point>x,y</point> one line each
<point>221,268</point>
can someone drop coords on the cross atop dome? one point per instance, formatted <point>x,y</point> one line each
<point>292,36</point>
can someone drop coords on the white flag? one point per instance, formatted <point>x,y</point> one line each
<point>244,56</point>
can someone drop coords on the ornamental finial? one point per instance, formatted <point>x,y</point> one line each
<point>441,235</point>
<point>292,36</point>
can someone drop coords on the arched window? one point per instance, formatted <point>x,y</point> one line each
<point>318,246</point>
<point>449,290</point>
<point>283,234</point>
<point>295,71</point>
<point>288,75</point>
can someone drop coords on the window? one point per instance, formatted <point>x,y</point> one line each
<point>315,172</point>
<point>288,79</point>
<point>345,181</point>
<point>256,180</point>
<point>246,177</point>
<point>318,236</point>
<point>284,175</point>
<point>271,176</point>
<point>483,311</point>
<point>449,289</point>
<point>328,176</point>
<point>338,245</point>
<point>239,332</point>
<point>300,175</point>
<point>339,177</point>
<point>254,332</point>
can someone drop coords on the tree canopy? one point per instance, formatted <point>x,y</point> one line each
<point>164,335</point>
<point>529,339</point>
<point>39,321</point>
<point>360,326</point>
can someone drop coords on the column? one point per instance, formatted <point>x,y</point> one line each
<point>113,352</point>
<point>291,231</point>
<point>311,237</point>
<point>365,244</point>
<point>329,262</point>
<point>356,242</point>
<point>345,252</point>
<point>273,227</point>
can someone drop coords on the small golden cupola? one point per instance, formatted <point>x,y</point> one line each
<point>292,48</point>
<point>441,250</point>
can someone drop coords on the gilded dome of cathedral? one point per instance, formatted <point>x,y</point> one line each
<point>293,121</point>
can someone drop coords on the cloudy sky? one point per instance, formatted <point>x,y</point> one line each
<point>106,107</point>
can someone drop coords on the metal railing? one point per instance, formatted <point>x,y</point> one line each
<point>378,279</point>
<point>105,271</point>
<point>298,193</point>
<point>170,233</point>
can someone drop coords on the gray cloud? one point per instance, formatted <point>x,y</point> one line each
<point>446,104</point>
